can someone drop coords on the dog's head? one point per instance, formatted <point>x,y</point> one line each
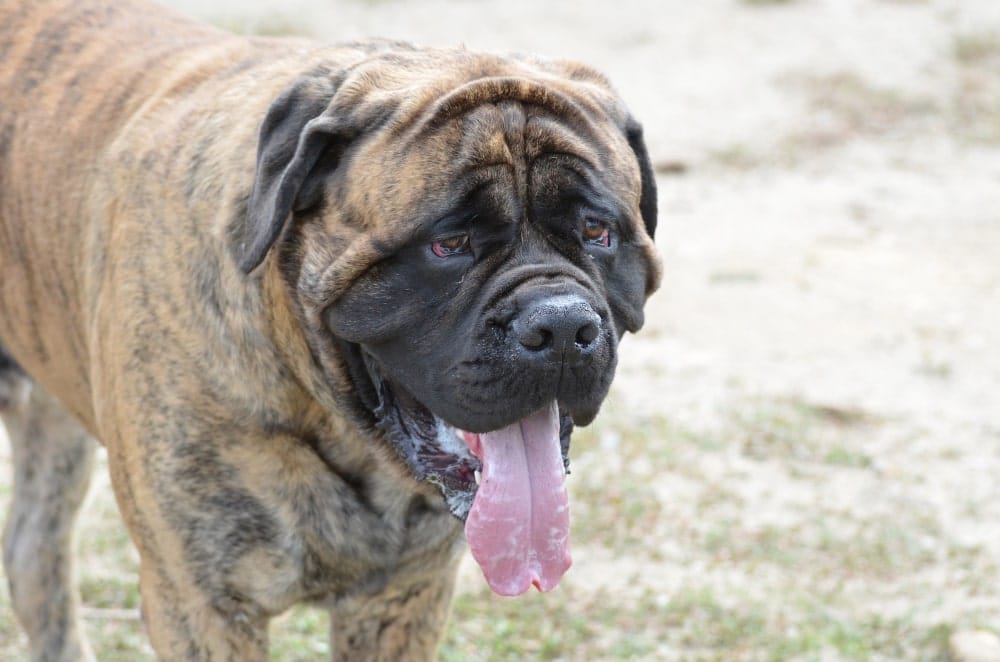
<point>467,237</point>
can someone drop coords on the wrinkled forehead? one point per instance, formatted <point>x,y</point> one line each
<point>503,126</point>
<point>518,135</point>
<point>529,112</point>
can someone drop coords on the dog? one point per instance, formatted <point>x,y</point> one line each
<point>332,310</point>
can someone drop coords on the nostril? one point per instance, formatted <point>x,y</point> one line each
<point>587,335</point>
<point>531,336</point>
<point>535,338</point>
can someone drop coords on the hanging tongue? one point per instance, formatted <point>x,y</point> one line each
<point>518,528</point>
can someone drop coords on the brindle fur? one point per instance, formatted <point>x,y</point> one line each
<point>243,469</point>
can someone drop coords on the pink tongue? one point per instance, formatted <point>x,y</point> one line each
<point>518,528</point>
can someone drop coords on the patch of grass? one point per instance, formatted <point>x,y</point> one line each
<point>845,106</point>
<point>109,591</point>
<point>976,48</point>
<point>119,640</point>
<point>716,494</point>
<point>799,430</point>
<point>13,643</point>
<point>824,629</point>
<point>630,439</point>
<point>837,415</point>
<point>619,463</point>
<point>699,618</point>
<point>934,368</point>
<point>845,457</point>
<point>728,541</point>
<point>635,39</point>
<point>708,623</point>
<point>739,157</point>
<point>558,625</point>
<point>671,167</point>
<point>733,277</point>
<point>300,634</point>
<point>614,513</point>
<point>881,547</point>
<point>976,104</point>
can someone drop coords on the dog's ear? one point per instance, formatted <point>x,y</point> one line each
<point>297,136</point>
<point>647,199</point>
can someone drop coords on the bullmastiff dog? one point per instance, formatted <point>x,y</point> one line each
<point>333,312</point>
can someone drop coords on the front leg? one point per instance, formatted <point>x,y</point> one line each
<point>398,624</point>
<point>184,622</point>
<point>188,607</point>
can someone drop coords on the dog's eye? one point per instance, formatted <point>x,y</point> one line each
<point>596,232</point>
<point>451,246</point>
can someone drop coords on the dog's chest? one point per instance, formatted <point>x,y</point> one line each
<point>384,533</point>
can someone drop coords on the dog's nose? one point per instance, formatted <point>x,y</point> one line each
<point>557,328</point>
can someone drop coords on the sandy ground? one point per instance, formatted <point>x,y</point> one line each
<point>812,414</point>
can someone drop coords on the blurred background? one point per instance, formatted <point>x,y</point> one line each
<point>800,458</point>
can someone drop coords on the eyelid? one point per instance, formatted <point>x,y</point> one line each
<point>451,225</point>
<point>604,220</point>
<point>618,225</point>
<point>459,238</point>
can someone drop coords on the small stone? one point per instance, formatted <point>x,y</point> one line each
<point>975,646</point>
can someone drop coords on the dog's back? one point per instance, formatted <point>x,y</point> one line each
<point>69,72</point>
<point>80,80</point>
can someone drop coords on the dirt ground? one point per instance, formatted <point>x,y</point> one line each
<point>801,455</point>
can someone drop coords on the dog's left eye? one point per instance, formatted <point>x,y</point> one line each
<point>596,232</point>
<point>451,246</point>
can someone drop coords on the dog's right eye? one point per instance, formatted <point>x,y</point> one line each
<point>597,232</point>
<point>451,246</point>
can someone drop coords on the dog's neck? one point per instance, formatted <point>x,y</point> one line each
<point>320,388</point>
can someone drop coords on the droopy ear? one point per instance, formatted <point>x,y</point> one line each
<point>647,199</point>
<point>296,133</point>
